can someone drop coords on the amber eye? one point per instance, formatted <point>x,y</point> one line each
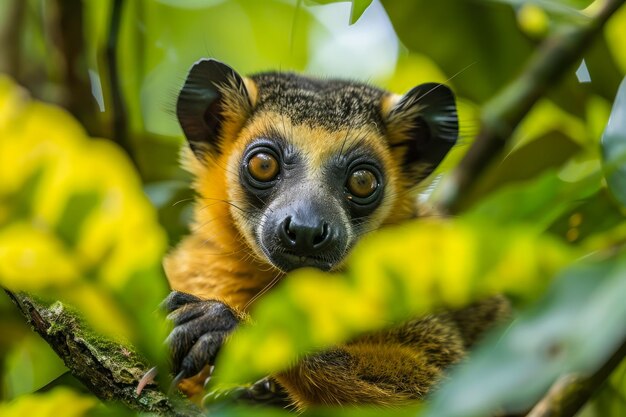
<point>362,183</point>
<point>263,167</point>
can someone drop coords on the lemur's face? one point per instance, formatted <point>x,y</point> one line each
<point>310,166</point>
<point>308,193</point>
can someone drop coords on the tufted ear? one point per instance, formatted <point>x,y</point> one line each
<point>425,125</point>
<point>213,92</point>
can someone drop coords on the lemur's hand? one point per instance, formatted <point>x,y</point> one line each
<point>200,327</point>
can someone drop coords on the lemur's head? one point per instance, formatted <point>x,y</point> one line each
<point>305,166</point>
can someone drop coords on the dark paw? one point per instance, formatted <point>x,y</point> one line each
<point>200,327</point>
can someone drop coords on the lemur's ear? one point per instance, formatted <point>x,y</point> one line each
<point>212,94</point>
<point>424,124</point>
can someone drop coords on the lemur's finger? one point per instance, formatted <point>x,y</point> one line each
<point>215,311</point>
<point>202,353</point>
<point>187,313</point>
<point>204,318</point>
<point>182,338</point>
<point>177,299</point>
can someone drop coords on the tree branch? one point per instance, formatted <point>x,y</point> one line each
<point>505,111</point>
<point>120,119</point>
<point>568,395</point>
<point>110,370</point>
<point>10,38</point>
<point>67,34</point>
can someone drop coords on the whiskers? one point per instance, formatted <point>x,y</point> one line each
<point>265,289</point>
<point>184,200</point>
<point>461,71</point>
<point>225,231</point>
<point>249,215</point>
<point>364,225</point>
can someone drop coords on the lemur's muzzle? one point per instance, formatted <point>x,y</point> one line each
<point>305,233</point>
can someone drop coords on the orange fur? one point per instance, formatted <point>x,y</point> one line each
<point>221,258</point>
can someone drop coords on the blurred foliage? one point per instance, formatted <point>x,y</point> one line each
<point>458,262</point>
<point>550,339</point>
<point>614,146</point>
<point>75,223</point>
<point>61,401</point>
<point>356,11</point>
<point>546,223</point>
<point>19,376</point>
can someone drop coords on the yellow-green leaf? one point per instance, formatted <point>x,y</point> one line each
<point>75,223</point>
<point>412,269</point>
<point>59,402</point>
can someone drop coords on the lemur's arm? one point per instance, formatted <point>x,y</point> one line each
<point>392,366</point>
<point>208,300</point>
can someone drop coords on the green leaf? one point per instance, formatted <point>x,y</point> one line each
<point>20,376</point>
<point>356,11</point>
<point>559,7</point>
<point>539,202</point>
<point>594,222</point>
<point>396,273</point>
<point>22,202</point>
<point>58,402</point>
<point>574,329</point>
<point>478,40</point>
<point>274,34</point>
<point>77,209</point>
<point>358,7</point>
<point>614,147</point>
<point>549,152</point>
<point>615,31</point>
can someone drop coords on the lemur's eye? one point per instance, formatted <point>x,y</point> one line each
<point>263,167</point>
<point>362,183</point>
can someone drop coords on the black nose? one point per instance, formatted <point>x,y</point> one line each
<point>304,237</point>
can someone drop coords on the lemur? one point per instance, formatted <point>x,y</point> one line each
<point>291,171</point>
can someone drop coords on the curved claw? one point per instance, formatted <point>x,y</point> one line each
<point>174,385</point>
<point>148,378</point>
<point>208,378</point>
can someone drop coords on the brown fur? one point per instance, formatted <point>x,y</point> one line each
<point>221,259</point>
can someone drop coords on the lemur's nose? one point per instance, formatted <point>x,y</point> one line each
<point>305,236</point>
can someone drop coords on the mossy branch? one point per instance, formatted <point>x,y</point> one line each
<point>503,113</point>
<point>110,370</point>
